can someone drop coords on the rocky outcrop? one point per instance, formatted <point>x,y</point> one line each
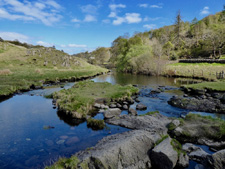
<point>198,104</point>
<point>126,150</point>
<point>156,122</point>
<point>163,156</point>
<point>219,160</point>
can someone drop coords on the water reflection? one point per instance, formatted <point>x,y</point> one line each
<point>25,142</point>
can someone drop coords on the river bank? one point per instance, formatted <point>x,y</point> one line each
<point>40,145</point>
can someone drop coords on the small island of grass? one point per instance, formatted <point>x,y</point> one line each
<point>218,86</point>
<point>79,100</point>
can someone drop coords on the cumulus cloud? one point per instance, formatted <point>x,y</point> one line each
<point>43,11</point>
<point>90,9</point>
<point>73,46</point>
<point>205,11</point>
<point>46,44</point>
<point>14,36</point>
<point>75,20</point>
<point>90,18</point>
<point>128,18</point>
<point>155,6</point>
<point>114,9</point>
<point>150,26</point>
<point>143,5</point>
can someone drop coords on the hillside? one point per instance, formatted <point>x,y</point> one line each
<point>23,66</point>
<point>150,52</point>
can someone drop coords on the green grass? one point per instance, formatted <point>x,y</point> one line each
<point>79,99</point>
<point>207,126</point>
<point>150,113</point>
<point>95,124</point>
<point>214,86</point>
<point>198,70</point>
<point>161,140</point>
<point>65,163</point>
<point>26,70</point>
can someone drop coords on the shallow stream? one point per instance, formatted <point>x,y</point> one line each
<point>34,134</point>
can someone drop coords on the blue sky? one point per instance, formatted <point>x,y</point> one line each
<point>80,25</point>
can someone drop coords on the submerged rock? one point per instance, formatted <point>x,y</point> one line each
<point>141,106</point>
<point>132,112</point>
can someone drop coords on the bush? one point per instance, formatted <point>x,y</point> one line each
<point>95,124</point>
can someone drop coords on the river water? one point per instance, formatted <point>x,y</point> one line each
<point>34,134</point>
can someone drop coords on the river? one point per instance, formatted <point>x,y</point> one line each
<point>34,134</point>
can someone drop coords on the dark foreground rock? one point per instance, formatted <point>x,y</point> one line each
<point>212,105</point>
<point>163,156</point>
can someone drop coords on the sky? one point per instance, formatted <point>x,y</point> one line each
<point>83,25</point>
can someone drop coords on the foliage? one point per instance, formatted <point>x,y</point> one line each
<point>213,86</point>
<point>65,163</point>
<point>150,113</point>
<point>95,124</point>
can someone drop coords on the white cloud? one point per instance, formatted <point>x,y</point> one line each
<point>150,26</point>
<point>73,46</point>
<point>205,11</point>
<point>151,19</point>
<point>155,6</point>
<point>90,9</point>
<point>77,46</point>
<point>13,36</point>
<point>114,7</point>
<point>75,20</point>
<point>90,18</point>
<point>128,18</point>
<point>46,44</point>
<point>143,5</point>
<point>133,18</point>
<point>118,21</point>
<point>44,11</point>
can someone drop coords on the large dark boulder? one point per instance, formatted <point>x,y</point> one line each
<point>163,156</point>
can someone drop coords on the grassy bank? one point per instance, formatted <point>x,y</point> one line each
<point>79,100</point>
<point>212,86</point>
<point>20,68</point>
<point>197,70</point>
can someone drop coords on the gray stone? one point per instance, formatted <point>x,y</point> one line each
<point>141,106</point>
<point>176,122</point>
<point>97,105</point>
<point>126,150</point>
<point>132,112</point>
<point>125,107</point>
<point>137,100</point>
<point>189,147</point>
<point>113,112</point>
<point>163,156</point>
<point>183,161</point>
<point>112,105</point>
<point>219,159</point>
<point>118,105</point>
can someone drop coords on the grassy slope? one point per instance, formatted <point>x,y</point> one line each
<point>79,100</point>
<point>202,70</point>
<point>19,70</point>
<point>214,86</point>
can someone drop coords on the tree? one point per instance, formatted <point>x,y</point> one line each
<point>178,28</point>
<point>194,21</point>
<point>167,47</point>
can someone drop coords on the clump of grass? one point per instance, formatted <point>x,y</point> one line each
<point>5,72</point>
<point>177,146</point>
<point>161,140</point>
<point>213,86</point>
<point>171,126</point>
<point>150,113</point>
<point>65,163</point>
<point>95,124</point>
<point>81,97</point>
